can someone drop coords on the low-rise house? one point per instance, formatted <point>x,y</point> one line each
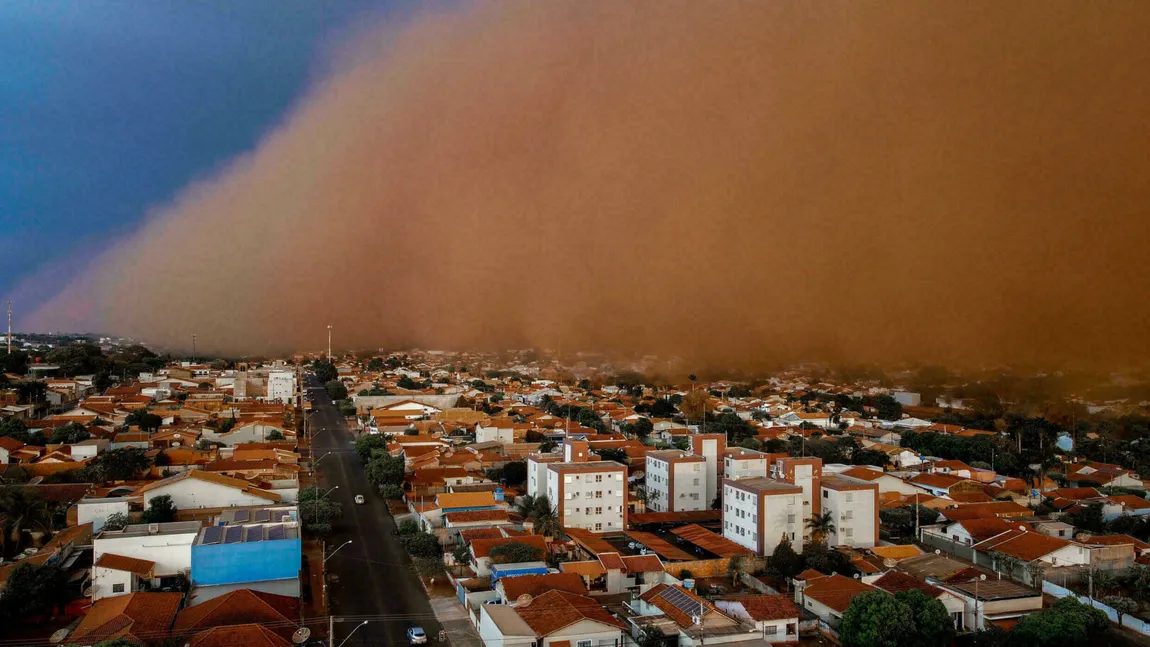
<point>895,581</point>
<point>1098,474</point>
<point>138,617</point>
<point>520,589</point>
<point>700,622</point>
<point>554,618</point>
<point>829,596</point>
<point>774,616</point>
<point>97,510</point>
<point>481,550</point>
<point>239,607</point>
<point>886,482</point>
<point>991,601</point>
<point>141,556</point>
<point>195,489</point>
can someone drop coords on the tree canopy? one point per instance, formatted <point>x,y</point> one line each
<point>514,552</point>
<point>907,619</point>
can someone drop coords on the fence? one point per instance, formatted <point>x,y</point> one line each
<point>1128,621</point>
<point>947,545</point>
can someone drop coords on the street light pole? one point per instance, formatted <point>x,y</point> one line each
<point>332,639</point>
<point>329,342</point>
<point>336,551</point>
<point>315,507</point>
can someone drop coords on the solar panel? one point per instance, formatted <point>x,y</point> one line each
<point>212,535</point>
<point>234,535</point>
<point>243,515</point>
<point>255,533</point>
<point>683,602</point>
<point>263,516</point>
<point>276,532</point>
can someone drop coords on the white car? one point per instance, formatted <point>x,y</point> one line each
<point>359,499</point>
<point>416,636</point>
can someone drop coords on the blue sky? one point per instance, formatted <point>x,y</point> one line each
<point>108,108</point>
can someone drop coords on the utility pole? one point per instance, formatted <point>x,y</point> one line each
<point>9,326</point>
<point>329,342</point>
<point>193,348</point>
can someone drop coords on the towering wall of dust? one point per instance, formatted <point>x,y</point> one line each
<point>729,180</point>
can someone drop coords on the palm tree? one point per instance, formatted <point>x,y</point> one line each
<point>821,526</point>
<point>547,523</point>
<point>524,505</point>
<point>21,510</point>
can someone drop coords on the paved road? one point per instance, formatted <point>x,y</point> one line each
<point>375,579</point>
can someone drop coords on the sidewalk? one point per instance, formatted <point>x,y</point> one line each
<point>453,616</point>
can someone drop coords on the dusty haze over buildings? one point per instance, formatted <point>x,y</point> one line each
<point>735,181</point>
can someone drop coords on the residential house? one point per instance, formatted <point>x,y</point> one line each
<point>141,556</point>
<point>992,601</point>
<point>829,596</point>
<point>481,550</point>
<point>552,619</point>
<point>196,489</point>
<point>897,581</point>
<point>699,621</point>
<point>138,617</point>
<point>280,613</point>
<point>886,482</point>
<point>774,616</point>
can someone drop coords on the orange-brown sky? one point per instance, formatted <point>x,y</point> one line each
<point>739,182</point>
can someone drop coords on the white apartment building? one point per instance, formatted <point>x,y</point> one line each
<point>591,495</point>
<point>711,447</point>
<point>853,505</point>
<point>281,386</point>
<point>759,512</point>
<point>537,472</point>
<point>807,474</point>
<point>676,481</point>
<point>739,463</point>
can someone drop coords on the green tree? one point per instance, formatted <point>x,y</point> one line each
<point>514,552</point>
<point>641,428</point>
<point>33,590</point>
<point>121,464</point>
<point>274,435</point>
<point>70,433</point>
<point>462,554</point>
<point>1067,623</point>
<point>888,408</point>
<point>612,454</point>
<point>79,359</point>
<point>385,469</point>
<point>335,389</point>
<point>785,562</point>
<point>368,443</point>
<point>932,622</point>
<point>16,362</point>
<point>160,510</point>
<point>317,512</point>
<point>144,419</point>
<point>875,619</point>
<point>116,521</point>
<point>1123,605</point>
<point>421,544</point>
<point>21,509</point>
<point>325,371</point>
<point>346,407</point>
<point>391,491</point>
<point>407,527</point>
<point>515,472</point>
<point>821,526</point>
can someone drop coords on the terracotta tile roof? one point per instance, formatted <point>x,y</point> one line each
<point>984,510</point>
<point>904,551</point>
<point>612,561</point>
<point>252,635</point>
<point>983,529</point>
<point>643,564</point>
<point>971,497</point>
<point>482,547</point>
<point>836,591</point>
<point>141,567</point>
<point>809,575</point>
<point>1130,501</point>
<point>1027,546</point>
<point>447,500</point>
<point>712,542</point>
<point>770,607</point>
<point>1118,540</point>
<point>477,515</point>
<point>555,610</point>
<point>136,615</point>
<point>941,481</point>
<point>239,607</point>
<point>661,547</point>
<point>536,585</point>
<point>1075,493</point>
<point>586,569</point>
<point>895,581</point>
<point>472,534</point>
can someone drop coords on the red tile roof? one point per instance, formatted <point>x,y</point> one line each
<point>612,561</point>
<point>536,585</point>
<point>141,567</point>
<point>252,635</point>
<point>555,610</point>
<point>836,591</point>
<point>1027,546</point>
<point>712,542</point>
<point>770,607</point>
<point>643,564</point>
<point>477,515</point>
<point>134,616</point>
<point>895,581</point>
<point>241,606</point>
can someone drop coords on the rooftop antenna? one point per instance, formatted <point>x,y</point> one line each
<point>193,348</point>
<point>9,326</point>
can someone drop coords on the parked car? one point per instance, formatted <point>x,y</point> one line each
<point>416,636</point>
<point>359,499</point>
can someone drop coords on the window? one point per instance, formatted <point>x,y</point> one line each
<point>790,518</point>
<point>598,510</point>
<point>826,494</point>
<point>598,478</point>
<point>117,588</point>
<point>598,526</point>
<point>583,643</point>
<point>770,630</point>
<point>850,497</point>
<point>849,532</point>
<point>696,481</point>
<point>850,514</point>
<point>598,494</point>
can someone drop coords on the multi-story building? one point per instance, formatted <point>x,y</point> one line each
<point>676,481</point>
<point>537,472</point>
<point>711,447</point>
<point>281,386</point>
<point>591,494</point>
<point>759,512</point>
<point>739,463</point>
<point>806,473</point>
<point>853,506</point>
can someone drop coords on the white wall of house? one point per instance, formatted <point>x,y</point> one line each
<point>172,553</point>
<point>586,633</point>
<point>191,493</point>
<point>493,433</point>
<point>491,635</point>
<point>97,511</point>
<point>108,583</point>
